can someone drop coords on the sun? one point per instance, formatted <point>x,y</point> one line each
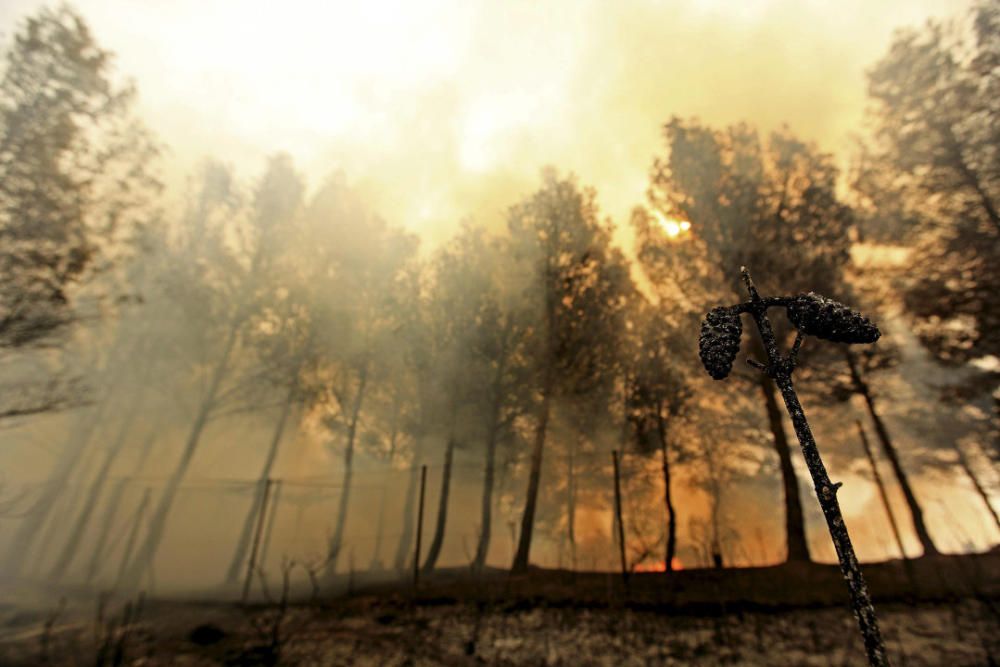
<point>672,227</point>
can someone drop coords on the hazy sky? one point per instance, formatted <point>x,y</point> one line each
<point>449,108</point>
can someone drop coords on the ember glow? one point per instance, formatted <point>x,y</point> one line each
<point>658,566</point>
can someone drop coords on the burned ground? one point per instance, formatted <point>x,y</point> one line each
<point>784,615</point>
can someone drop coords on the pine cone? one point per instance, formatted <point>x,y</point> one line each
<point>720,341</point>
<point>815,315</point>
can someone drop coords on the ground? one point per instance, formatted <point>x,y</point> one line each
<point>786,615</point>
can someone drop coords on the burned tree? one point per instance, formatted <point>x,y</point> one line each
<point>811,315</point>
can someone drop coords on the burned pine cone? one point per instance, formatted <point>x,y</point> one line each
<point>720,341</point>
<point>816,315</point>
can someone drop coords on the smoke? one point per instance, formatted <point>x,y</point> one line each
<point>436,112</point>
<point>443,109</point>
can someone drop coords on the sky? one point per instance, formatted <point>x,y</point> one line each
<point>443,110</point>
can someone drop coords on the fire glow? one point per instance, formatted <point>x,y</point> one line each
<point>658,566</point>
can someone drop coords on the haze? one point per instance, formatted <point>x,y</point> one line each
<point>448,109</point>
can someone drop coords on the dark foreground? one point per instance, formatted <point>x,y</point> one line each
<point>787,615</point>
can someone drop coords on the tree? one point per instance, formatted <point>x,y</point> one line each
<point>861,367</point>
<point>391,429</point>
<point>936,137</point>
<point>75,186</point>
<point>501,339</point>
<point>661,394</point>
<point>448,314</point>
<point>76,191</point>
<point>859,384</point>
<point>283,343</point>
<point>479,337</point>
<point>227,277</point>
<point>418,371</point>
<point>936,132</point>
<point>658,396</point>
<point>771,206</point>
<point>577,286</point>
<point>81,522</point>
<point>476,350</point>
<point>355,295</point>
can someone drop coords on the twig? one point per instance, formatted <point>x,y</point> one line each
<point>813,315</point>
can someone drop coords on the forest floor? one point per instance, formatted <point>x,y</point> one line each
<point>792,614</point>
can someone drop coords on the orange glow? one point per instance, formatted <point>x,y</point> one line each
<point>658,566</point>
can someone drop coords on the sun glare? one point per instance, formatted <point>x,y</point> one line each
<point>671,227</point>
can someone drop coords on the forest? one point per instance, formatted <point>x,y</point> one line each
<point>253,415</point>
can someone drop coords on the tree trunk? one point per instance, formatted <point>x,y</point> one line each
<point>434,551</point>
<point>158,523</point>
<point>571,503</point>
<point>889,450</point>
<point>113,504</point>
<point>489,473</point>
<point>337,541</point>
<point>620,519</point>
<point>30,528</point>
<point>870,455</point>
<point>406,534</point>
<point>274,503</point>
<point>715,511</point>
<point>133,533</point>
<point>795,525</point>
<point>486,512</point>
<point>71,548</point>
<point>104,530</point>
<point>89,421</point>
<point>376,563</point>
<point>534,478</point>
<point>256,506</point>
<point>252,564</point>
<point>963,463</point>
<point>671,532</point>
<point>995,440</point>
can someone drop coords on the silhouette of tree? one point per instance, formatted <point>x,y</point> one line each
<point>772,206</point>
<point>229,282</point>
<point>576,286</point>
<point>935,146</point>
<point>76,189</point>
<point>936,132</point>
